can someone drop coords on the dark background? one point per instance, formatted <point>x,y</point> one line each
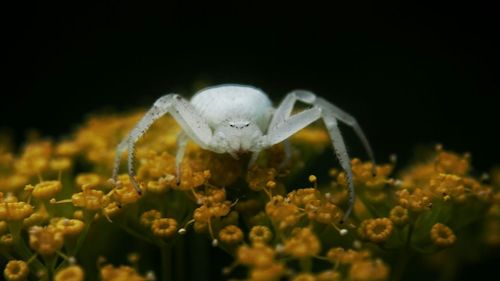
<point>412,73</point>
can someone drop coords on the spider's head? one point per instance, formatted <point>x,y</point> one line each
<point>236,137</point>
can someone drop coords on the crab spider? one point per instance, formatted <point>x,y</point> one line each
<point>236,119</point>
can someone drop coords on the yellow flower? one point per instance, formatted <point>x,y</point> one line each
<point>69,227</point>
<point>6,239</point>
<point>204,213</point>
<point>303,243</point>
<point>329,275</point>
<point>442,235</point>
<point>88,180</point>
<point>15,211</point>
<point>60,164</point>
<point>339,255</point>
<point>363,174</point>
<point>369,271</point>
<point>444,185</point>
<point>378,230</point>
<point>304,277</point>
<point>304,196</point>
<point>231,234</point>
<point>16,270</point>
<point>259,255</point>
<point>122,273</point>
<point>46,189</point>
<point>13,182</point>
<point>34,159</point>
<point>260,234</point>
<point>160,185</point>
<point>125,193</point>
<point>111,209</point>
<point>283,213</point>
<point>191,178</point>
<point>38,217</point>
<point>164,227</point>
<point>212,195</point>
<point>271,272</point>
<point>3,227</point>
<point>451,163</point>
<point>148,217</point>
<point>90,199</point>
<point>67,148</point>
<point>258,177</point>
<point>419,200</point>
<point>70,273</point>
<point>399,215</point>
<point>326,213</point>
<point>46,240</point>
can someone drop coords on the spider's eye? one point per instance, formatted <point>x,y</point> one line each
<point>247,124</point>
<point>231,125</point>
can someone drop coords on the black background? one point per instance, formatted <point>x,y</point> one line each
<point>412,73</point>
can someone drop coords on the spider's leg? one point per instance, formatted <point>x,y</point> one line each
<point>300,120</point>
<point>329,113</point>
<point>182,140</point>
<point>291,125</point>
<point>330,109</point>
<point>119,151</point>
<point>283,112</point>
<point>344,160</point>
<point>183,112</point>
<point>287,147</point>
<point>285,108</point>
<point>253,158</point>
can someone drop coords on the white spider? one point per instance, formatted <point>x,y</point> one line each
<point>236,119</point>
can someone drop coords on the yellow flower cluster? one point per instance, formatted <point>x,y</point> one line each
<point>55,197</point>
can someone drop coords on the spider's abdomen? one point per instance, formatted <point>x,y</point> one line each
<point>220,103</point>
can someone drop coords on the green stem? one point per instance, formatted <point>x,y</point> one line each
<point>306,264</point>
<point>166,262</point>
<point>81,238</point>
<point>404,256</point>
<point>137,235</point>
<point>180,260</point>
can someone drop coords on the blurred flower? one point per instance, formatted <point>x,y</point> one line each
<point>442,235</point>
<point>378,230</point>
<point>258,255</point>
<point>164,227</point>
<point>88,180</point>
<point>14,211</point>
<point>69,227</point>
<point>122,273</point>
<point>368,270</point>
<point>260,234</point>
<point>303,243</point>
<point>281,212</point>
<point>231,234</point>
<point>46,189</point>
<point>16,270</point>
<point>70,273</point>
<point>46,240</point>
<point>148,217</point>
<point>399,215</point>
<point>90,199</point>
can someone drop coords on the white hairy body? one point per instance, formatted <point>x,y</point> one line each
<point>236,119</point>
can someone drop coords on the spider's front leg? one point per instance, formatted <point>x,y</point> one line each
<point>283,125</point>
<point>193,125</point>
